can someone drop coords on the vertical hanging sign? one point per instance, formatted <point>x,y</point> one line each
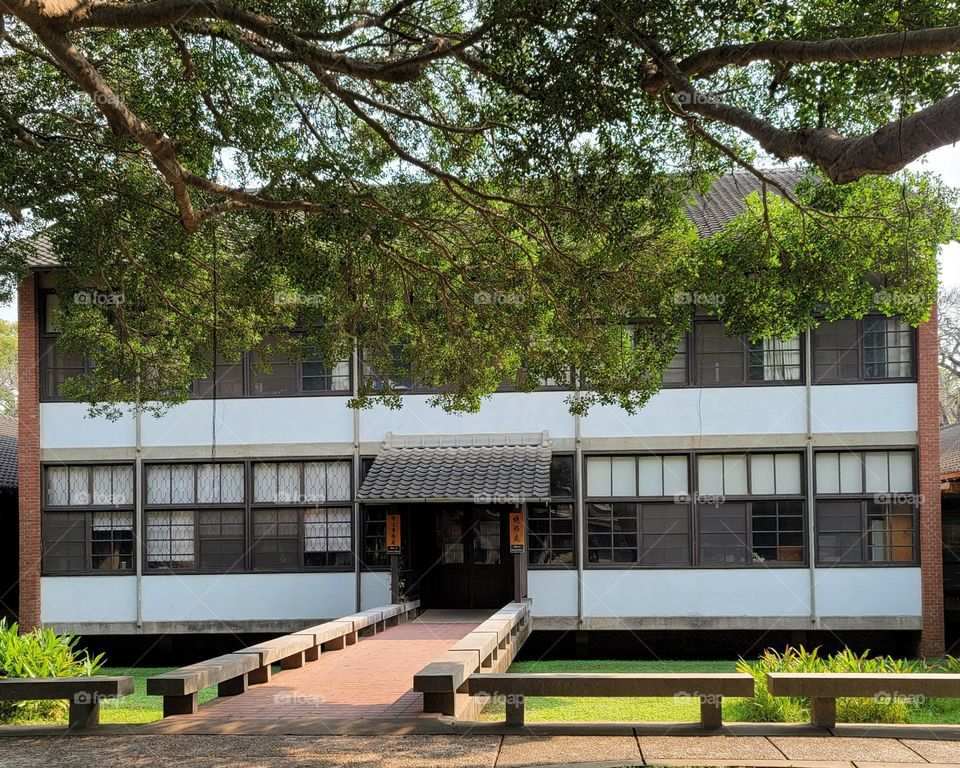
<point>393,534</point>
<point>517,533</point>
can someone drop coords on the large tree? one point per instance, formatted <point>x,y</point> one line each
<point>477,190</point>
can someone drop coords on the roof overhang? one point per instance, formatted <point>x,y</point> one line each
<point>508,469</point>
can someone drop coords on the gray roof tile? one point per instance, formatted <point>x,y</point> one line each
<point>479,468</point>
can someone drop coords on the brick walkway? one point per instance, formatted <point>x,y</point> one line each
<point>371,679</point>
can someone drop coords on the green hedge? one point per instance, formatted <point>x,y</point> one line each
<point>40,653</point>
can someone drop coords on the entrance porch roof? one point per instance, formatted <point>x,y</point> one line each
<point>477,469</point>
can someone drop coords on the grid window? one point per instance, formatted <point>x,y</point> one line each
<point>612,533</point>
<point>296,482</point>
<point>273,372</point>
<point>221,540</point>
<point>327,537</point>
<point>887,348</point>
<point>890,532</point>
<point>111,540</point>
<point>644,476</point>
<point>719,357</point>
<point>874,348</point>
<point>226,380</point>
<point>858,472</point>
<point>723,533</point>
<point>375,537</point>
<point>171,540</point>
<point>551,534</point>
<point>276,539</point>
<point>317,376</point>
<point>777,531</point>
<point>194,484</point>
<point>87,519</point>
<point>665,534</point>
<point>56,366</point>
<point>774,360</point>
<point>676,372</point>
<point>64,542</point>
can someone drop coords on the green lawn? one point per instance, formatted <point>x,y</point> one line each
<point>555,709</point>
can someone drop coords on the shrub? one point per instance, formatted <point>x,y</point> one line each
<point>40,653</point>
<point>891,708</point>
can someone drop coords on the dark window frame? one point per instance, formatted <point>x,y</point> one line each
<point>88,511</point>
<point>694,368</point>
<point>560,498</point>
<point>861,378</point>
<point>864,498</point>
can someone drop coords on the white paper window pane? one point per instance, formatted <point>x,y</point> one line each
<point>314,530</point>
<point>58,486</point>
<point>675,475</point>
<point>123,486</point>
<point>181,484</point>
<point>103,485</point>
<point>828,473</point>
<point>710,474</point>
<point>762,475</point>
<point>624,470</point>
<point>735,475</point>
<point>338,480</point>
<point>158,484</point>
<point>875,465</point>
<point>208,484</point>
<point>265,482</point>
<point>598,476</point>
<point>288,475</point>
<point>901,472</point>
<point>314,481</point>
<point>788,473</point>
<point>650,475</point>
<point>79,486</point>
<point>851,473</point>
<point>231,483</point>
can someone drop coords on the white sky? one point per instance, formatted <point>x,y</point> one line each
<point>945,162</point>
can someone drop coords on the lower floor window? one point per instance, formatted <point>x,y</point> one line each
<point>656,533</point>
<point>746,532</point>
<point>327,540</point>
<point>865,531</point>
<point>550,534</point>
<point>100,540</point>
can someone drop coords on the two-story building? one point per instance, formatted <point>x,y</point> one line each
<point>769,486</point>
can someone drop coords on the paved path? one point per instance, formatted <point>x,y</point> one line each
<point>473,751</point>
<point>372,679</point>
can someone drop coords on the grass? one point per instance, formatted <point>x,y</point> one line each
<point>558,709</point>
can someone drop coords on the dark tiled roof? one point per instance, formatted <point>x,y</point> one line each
<point>709,214</point>
<point>726,197</point>
<point>950,450</point>
<point>8,452</point>
<point>480,468</point>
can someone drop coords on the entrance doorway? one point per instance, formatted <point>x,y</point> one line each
<point>461,556</point>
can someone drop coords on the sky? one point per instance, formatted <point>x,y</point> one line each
<point>945,162</point>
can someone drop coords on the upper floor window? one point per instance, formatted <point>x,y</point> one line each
<point>87,523</point>
<point>872,348</point>
<point>56,366</point>
<point>273,373</point>
<point>724,359</point>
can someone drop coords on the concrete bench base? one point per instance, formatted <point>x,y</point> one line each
<point>83,693</point>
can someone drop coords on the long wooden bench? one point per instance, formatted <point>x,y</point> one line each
<point>83,693</point>
<point>824,688</point>
<point>491,646</point>
<point>233,672</point>
<point>708,688</point>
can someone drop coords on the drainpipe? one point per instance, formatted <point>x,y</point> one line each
<point>580,514</point>
<point>357,539</point>
<point>810,490</point>
<point>138,515</point>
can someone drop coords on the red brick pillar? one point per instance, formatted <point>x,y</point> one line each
<point>931,551</point>
<point>29,455</point>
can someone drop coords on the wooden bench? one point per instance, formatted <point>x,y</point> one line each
<point>83,693</point>
<point>824,688</point>
<point>708,688</point>
<point>180,687</point>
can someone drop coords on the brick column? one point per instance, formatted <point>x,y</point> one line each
<point>931,551</point>
<point>29,454</point>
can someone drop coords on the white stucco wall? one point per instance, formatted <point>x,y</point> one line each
<point>554,592</point>
<point>77,599</point>
<point>869,592</point>
<point>374,590</point>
